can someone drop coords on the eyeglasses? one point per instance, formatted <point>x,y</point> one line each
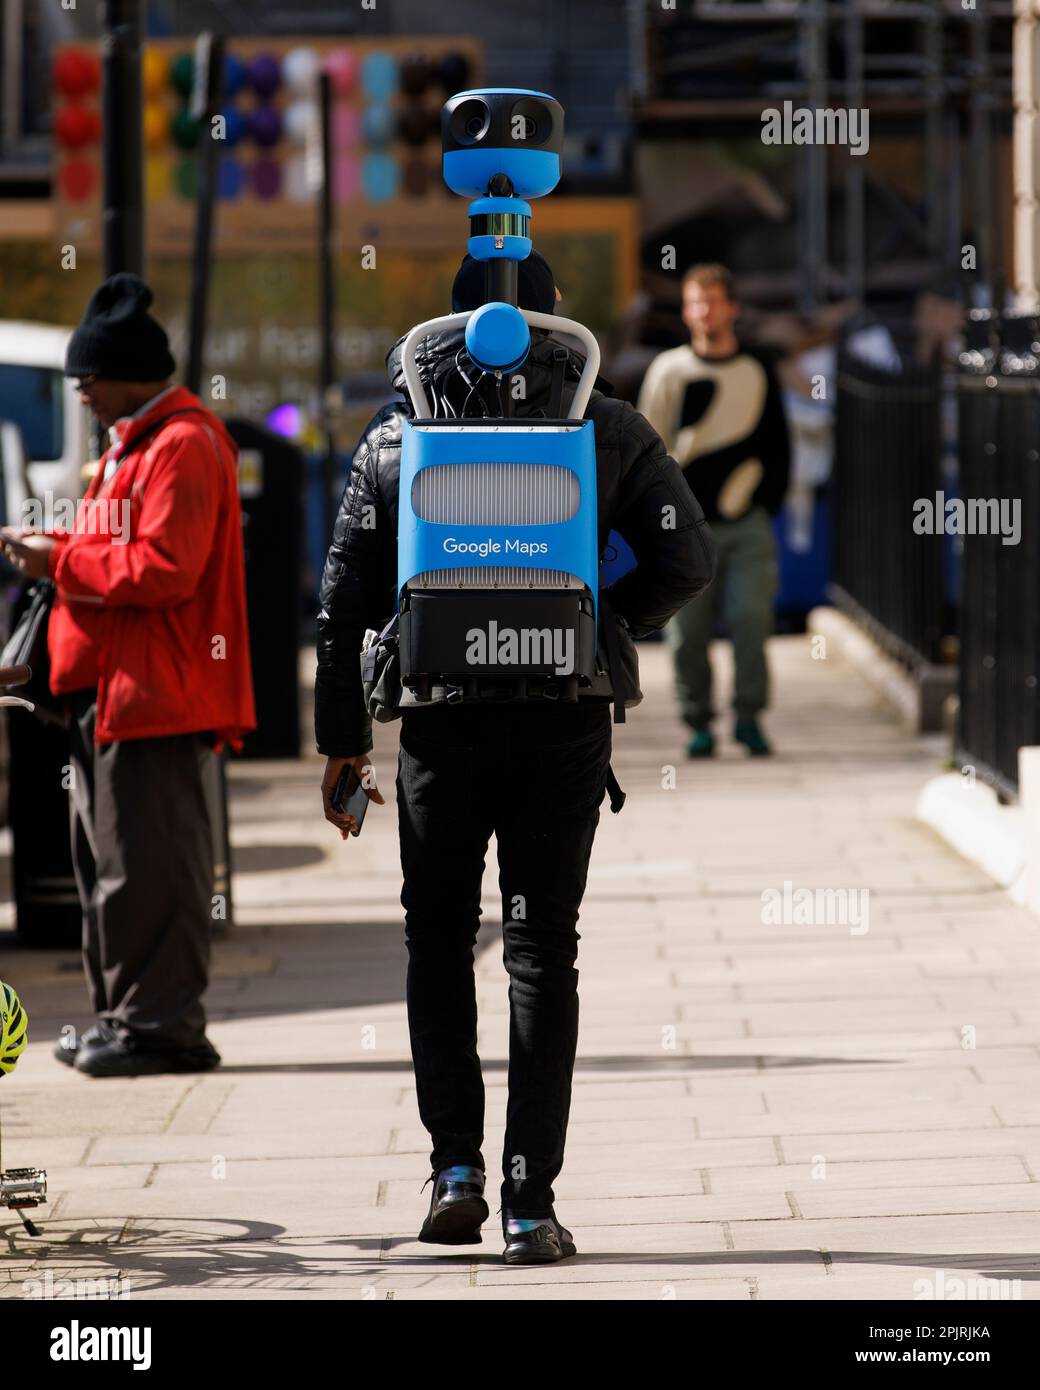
<point>85,385</point>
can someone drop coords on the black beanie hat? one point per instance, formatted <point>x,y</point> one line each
<point>535,285</point>
<point>118,339</point>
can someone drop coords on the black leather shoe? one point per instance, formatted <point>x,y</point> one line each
<point>128,1057</point>
<point>536,1240</point>
<point>68,1045</point>
<point>457,1207</point>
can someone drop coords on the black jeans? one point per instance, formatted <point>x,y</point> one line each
<point>535,776</point>
<point>143,860</point>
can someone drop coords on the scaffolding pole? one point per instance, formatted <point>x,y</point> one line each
<point>1026,103</point>
<point>935,164</point>
<point>980,98</point>
<point>122,158</point>
<point>812,246</point>
<point>855,206</point>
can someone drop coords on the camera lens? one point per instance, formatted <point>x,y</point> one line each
<point>530,121</point>
<point>470,121</point>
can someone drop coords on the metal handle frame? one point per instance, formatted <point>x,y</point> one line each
<point>555,324</point>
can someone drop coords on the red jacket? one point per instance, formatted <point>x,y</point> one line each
<point>151,604</point>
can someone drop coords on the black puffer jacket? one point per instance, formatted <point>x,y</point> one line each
<point>641,494</point>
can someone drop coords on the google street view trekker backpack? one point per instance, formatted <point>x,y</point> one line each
<point>497,528</point>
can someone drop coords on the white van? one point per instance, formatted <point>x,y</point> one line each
<point>44,431</point>
<point>44,443</point>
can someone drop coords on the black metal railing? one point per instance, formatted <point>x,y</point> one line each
<point>998,390</point>
<point>887,457</point>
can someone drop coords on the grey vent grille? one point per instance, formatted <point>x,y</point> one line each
<point>496,577</point>
<point>495,494</point>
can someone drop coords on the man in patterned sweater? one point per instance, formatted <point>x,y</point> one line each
<point>717,407</point>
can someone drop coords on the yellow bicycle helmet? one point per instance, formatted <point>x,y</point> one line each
<point>14,1026</point>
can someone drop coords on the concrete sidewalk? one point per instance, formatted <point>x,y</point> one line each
<point>763,1109</point>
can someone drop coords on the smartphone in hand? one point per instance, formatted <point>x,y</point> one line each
<point>349,797</point>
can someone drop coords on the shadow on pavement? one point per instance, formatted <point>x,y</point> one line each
<point>259,1255</point>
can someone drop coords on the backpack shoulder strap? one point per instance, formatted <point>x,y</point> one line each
<point>98,480</point>
<point>154,429</point>
<point>617,796</point>
<point>554,410</point>
<point>613,654</point>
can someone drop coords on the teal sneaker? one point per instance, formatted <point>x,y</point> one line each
<point>747,732</point>
<point>702,745</point>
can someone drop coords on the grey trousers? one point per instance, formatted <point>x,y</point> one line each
<point>744,588</point>
<point>143,859</point>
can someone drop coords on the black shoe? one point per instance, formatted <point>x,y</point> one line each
<point>68,1045</point>
<point>747,732</point>
<point>457,1207</point>
<point>129,1057</point>
<point>702,745</point>
<point>536,1240</point>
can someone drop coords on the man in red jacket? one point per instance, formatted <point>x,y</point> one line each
<point>148,643</point>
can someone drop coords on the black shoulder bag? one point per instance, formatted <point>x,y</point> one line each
<point>27,646</point>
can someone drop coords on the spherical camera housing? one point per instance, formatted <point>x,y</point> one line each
<point>497,337</point>
<point>506,131</point>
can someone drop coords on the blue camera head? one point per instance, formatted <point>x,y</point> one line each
<point>501,145</point>
<point>502,141</point>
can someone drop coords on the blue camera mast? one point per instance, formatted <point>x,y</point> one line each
<point>497,517</point>
<point>501,146</point>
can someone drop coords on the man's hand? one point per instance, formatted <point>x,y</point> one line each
<point>344,823</point>
<point>29,551</point>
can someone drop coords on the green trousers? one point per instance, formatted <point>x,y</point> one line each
<point>743,591</point>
